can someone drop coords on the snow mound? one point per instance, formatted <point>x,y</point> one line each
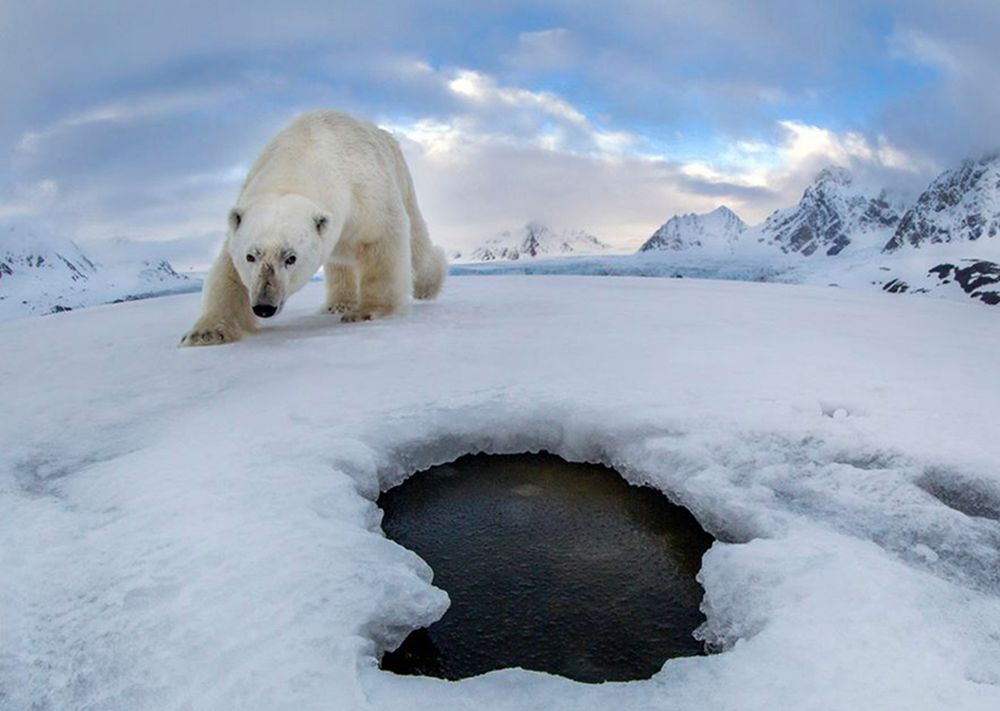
<point>214,542</point>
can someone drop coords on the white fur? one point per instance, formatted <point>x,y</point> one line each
<point>328,191</point>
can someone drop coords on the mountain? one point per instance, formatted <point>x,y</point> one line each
<point>954,221</point>
<point>537,240</point>
<point>962,204</point>
<point>834,213</point>
<point>129,256</point>
<point>719,229</point>
<point>25,255</point>
<point>41,274</point>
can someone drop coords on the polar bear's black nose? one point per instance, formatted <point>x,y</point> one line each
<point>265,310</point>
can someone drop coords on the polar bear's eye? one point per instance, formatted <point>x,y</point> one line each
<point>290,261</point>
<point>251,258</point>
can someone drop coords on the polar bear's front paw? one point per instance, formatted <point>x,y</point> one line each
<point>210,335</point>
<point>341,307</point>
<point>355,316</point>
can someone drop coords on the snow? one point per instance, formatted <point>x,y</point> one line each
<point>196,528</point>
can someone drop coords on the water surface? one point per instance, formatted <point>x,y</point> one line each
<point>550,566</point>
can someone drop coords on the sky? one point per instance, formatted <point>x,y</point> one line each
<point>136,121</point>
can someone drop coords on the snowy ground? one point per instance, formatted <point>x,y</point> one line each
<point>195,529</point>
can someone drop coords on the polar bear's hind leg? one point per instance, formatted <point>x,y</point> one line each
<point>429,269</point>
<point>385,279</point>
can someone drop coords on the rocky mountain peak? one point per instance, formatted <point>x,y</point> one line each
<point>536,239</point>
<point>833,175</point>
<point>26,254</point>
<point>962,204</point>
<point>721,229</point>
<point>834,213</point>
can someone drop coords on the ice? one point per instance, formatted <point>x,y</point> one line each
<point>912,271</point>
<point>196,528</point>
<point>750,265</point>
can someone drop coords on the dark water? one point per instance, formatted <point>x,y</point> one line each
<point>550,566</point>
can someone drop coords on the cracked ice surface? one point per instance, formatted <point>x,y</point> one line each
<point>196,528</point>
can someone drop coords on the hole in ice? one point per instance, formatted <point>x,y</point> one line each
<point>551,566</point>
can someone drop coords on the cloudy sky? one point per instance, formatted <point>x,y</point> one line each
<point>138,119</point>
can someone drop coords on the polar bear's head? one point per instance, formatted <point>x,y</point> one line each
<point>276,245</point>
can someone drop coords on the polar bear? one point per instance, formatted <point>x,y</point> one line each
<point>328,191</point>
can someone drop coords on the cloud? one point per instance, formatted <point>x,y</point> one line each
<point>489,111</point>
<point>550,50</point>
<point>806,142</point>
<point>507,158</point>
<point>133,108</point>
<point>30,199</point>
<point>498,185</point>
<point>759,176</point>
<point>184,254</point>
<point>598,116</point>
<point>914,45</point>
<point>508,155</point>
<point>482,90</point>
<point>953,114</point>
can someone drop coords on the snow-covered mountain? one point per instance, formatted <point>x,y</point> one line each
<point>947,242</point>
<point>128,255</point>
<point>834,236</point>
<point>718,230</point>
<point>25,255</point>
<point>835,212</point>
<point>41,274</point>
<point>537,240</point>
<point>962,204</point>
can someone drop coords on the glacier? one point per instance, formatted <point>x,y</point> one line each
<point>197,528</point>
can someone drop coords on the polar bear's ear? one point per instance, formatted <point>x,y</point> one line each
<point>322,222</point>
<point>235,218</point>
